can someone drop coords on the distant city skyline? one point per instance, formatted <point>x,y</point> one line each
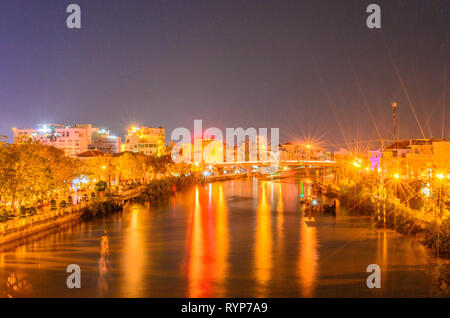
<point>311,68</point>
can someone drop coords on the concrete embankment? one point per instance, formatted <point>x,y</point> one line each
<point>20,228</point>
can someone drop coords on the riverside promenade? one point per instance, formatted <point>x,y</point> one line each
<point>20,227</point>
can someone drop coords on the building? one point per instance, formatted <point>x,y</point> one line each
<point>288,151</point>
<point>253,150</point>
<point>90,154</point>
<point>213,151</point>
<point>415,158</point>
<point>302,152</point>
<point>146,140</point>
<point>208,150</point>
<point>105,142</point>
<point>72,140</point>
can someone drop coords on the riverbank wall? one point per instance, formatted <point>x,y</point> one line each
<point>22,227</point>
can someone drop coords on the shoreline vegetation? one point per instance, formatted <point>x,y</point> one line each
<point>431,231</point>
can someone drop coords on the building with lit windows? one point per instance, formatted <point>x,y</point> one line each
<point>253,149</point>
<point>146,140</point>
<point>72,140</point>
<point>105,142</point>
<point>302,152</point>
<point>207,151</point>
<point>416,158</point>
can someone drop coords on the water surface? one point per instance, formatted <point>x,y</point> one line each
<point>241,238</point>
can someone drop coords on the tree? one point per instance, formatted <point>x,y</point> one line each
<point>63,169</point>
<point>159,164</point>
<point>24,174</point>
<point>179,169</point>
<point>53,135</point>
<point>125,166</point>
<point>101,186</point>
<point>100,168</point>
<point>413,194</point>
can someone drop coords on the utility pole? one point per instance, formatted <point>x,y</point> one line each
<point>394,115</point>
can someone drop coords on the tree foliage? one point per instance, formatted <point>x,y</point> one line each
<point>31,172</point>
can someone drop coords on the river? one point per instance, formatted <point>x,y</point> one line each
<point>239,238</point>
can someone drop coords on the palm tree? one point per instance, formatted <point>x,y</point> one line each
<point>52,136</point>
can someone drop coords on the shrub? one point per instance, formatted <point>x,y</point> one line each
<point>101,186</point>
<point>438,235</point>
<point>5,216</point>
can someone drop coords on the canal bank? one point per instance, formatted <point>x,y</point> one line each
<point>22,228</point>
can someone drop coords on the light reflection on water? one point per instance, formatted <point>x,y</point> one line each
<point>263,261</point>
<point>241,238</point>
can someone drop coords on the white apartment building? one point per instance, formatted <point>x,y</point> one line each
<point>72,140</point>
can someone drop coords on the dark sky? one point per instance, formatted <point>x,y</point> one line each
<point>311,68</point>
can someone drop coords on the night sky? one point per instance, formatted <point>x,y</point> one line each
<point>311,68</point>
